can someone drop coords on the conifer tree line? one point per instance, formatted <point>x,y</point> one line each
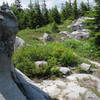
<point>37,15</point>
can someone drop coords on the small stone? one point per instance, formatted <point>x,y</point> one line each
<point>73,90</point>
<point>47,37</point>
<point>41,63</point>
<point>18,43</point>
<point>85,67</point>
<point>62,39</point>
<point>53,91</point>
<point>64,70</point>
<point>64,32</point>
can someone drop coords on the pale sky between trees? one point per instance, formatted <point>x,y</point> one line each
<point>50,3</point>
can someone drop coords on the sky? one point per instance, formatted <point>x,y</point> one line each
<point>50,3</point>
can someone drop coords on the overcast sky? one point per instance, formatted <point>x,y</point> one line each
<point>50,3</point>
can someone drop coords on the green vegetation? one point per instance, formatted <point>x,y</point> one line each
<point>36,21</point>
<point>56,54</point>
<point>36,16</point>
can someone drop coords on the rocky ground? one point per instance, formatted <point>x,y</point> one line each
<point>73,87</point>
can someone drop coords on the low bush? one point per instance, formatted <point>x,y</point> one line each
<point>54,27</point>
<point>56,54</point>
<point>84,48</point>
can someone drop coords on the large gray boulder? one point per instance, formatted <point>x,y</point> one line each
<point>78,24</point>
<point>80,35</point>
<point>18,43</point>
<point>13,84</point>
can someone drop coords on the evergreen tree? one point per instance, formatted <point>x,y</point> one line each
<point>30,5</point>
<point>75,10</point>
<point>45,13</point>
<point>54,27</point>
<point>39,16</point>
<point>55,15</point>
<point>19,12</point>
<point>67,10</point>
<point>83,8</point>
<point>97,17</point>
<point>88,4</point>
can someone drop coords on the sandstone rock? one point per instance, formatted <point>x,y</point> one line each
<point>41,63</point>
<point>85,67</point>
<point>19,43</point>
<point>65,70</point>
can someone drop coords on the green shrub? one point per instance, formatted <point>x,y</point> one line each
<point>56,54</point>
<point>83,48</point>
<point>97,39</point>
<point>54,27</point>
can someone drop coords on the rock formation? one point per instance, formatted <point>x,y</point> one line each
<point>14,85</point>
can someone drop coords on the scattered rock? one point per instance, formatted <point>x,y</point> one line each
<point>85,67</point>
<point>78,24</point>
<point>65,70</point>
<point>19,43</point>
<point>94,62</point>
<point>79,35</point>
<point>53,90</point>
<point>41,63</point>
<point>47,37</point>
<point>70,88</point>
<point>62,39</point>
<point>73,90</point>
<point>91,96</point>
<point>64,32</point>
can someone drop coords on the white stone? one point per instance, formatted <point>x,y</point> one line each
<point>64,32</point>
<point>19,43</point>
<point>79,35</point>
<point>94,62</point>
<point>60,84</point>
<point>47,37</point>
<point>78,24</point>
<point>41,63</point>
<point>91,96</point>
<point>53,91</point>
<point>85,66</point>
<point>64,70</point>
<point>73,90</point>
<point>62,39</point>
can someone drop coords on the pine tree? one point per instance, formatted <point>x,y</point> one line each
<point>45,13</point>
<point>30,5</point>
<point>97,17</point>
<point>83,8</point>
<point>75,10</point>
<point>88,4</point>
<point>38,13</point>
<point>55,15</point>
<point>67,10</point>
